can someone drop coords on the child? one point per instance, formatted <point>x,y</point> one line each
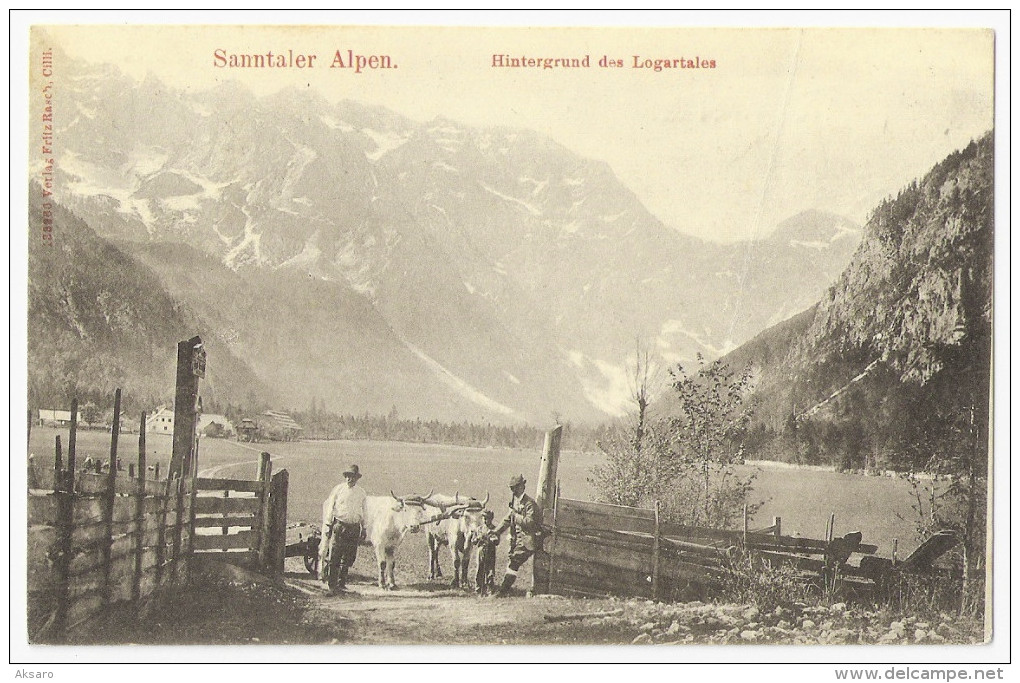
<point>487,540</point>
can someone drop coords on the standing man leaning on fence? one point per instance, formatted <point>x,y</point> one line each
<point>525,523</point>
<point>343,518</point>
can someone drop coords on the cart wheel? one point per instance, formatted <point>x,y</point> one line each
<point>312,562</point>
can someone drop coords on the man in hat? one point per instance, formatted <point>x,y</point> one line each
<point>525,523</point>
<point>343,516</point>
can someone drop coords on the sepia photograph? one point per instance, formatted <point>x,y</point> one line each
<point>644,338</point>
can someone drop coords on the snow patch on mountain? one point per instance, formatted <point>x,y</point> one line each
<point>384,142</point>
<point>537,185</point>
<point>844,231</point>
<point>308,255</point>
<point>444,166</point>
<point>459,385</point>
<point>356,268</point>
<point>336,124</point>
<point>532,209</point>
<point>671,329</point>
<point>812,244</point>
<point>248,250</point>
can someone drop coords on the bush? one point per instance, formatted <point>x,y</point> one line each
<point>750,579</point>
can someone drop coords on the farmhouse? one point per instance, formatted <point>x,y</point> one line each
<point>280,426</point>
<point>247,430</point>
<point>49,418</point>
<point>161,422</point>
<point>211,424</point>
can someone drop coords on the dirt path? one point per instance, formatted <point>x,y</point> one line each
<point>433,614</point>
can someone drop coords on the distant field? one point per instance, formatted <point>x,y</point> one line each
<point>877,506</point>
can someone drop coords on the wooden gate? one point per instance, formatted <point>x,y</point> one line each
<point>243,521</point>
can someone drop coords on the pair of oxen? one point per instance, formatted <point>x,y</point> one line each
<point>453,521</point>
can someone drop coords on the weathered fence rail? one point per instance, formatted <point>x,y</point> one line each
<point>602,549</point>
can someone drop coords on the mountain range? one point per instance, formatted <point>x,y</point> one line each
<point>343,253</point>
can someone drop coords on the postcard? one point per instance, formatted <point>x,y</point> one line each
<point>649,338</point>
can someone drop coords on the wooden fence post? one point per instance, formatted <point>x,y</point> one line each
<point>178,502</point>
<point>278,515</point>
<point>777,524</point>
<point>72,438</point>
<point>553,538</point>
<point>109,496</point>
<point>62,488</point>
<point>745,526</point>
<point>226,529</point>
<point>265,531</point>
<point>163,498</point>
<point>136,579</point>
<point>190,367</point>
<point>655,556</point>
<point>192,486</point>
<point>545,497</point>
<point>547,471</point>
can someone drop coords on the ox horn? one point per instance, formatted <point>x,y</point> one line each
<point>395,496</point>
<point>486,501</point>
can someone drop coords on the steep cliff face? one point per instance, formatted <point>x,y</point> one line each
<point>903,334</point>
<point>923,273</point>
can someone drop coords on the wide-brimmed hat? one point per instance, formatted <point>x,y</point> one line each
<point>353,472</point>
<point>517,480</point>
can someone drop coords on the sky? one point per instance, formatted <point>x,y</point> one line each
<point>788,120</point>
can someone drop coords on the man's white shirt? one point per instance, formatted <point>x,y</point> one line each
<point>345,503</point>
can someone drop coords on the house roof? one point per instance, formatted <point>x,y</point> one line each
<point>281,420</point>
<point>64,415</point>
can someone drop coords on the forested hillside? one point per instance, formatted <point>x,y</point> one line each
<point>897,355</point>
<point>98,320</point>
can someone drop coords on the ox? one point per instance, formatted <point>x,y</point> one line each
<point>387,521</point>
<point>460,521</point>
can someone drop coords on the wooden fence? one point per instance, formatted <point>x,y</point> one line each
<point>601,549</point>
<point>96,539</point>
<point>242,521</point>
<point>99,539</point>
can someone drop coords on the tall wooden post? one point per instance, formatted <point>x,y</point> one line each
<point>278,517</point>
<point>190,368</point>
<point>72,438</point>
<point>136,579</point>
<point>63,486</point>
<point>547,471</point>
<point>264,528</point>
<point>545,498</point>
<point>109,501</point>
<point>656,587</point>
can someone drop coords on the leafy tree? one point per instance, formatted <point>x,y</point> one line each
<point>628,476</point>
<point>686,462</point>
<point>703,443</point>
